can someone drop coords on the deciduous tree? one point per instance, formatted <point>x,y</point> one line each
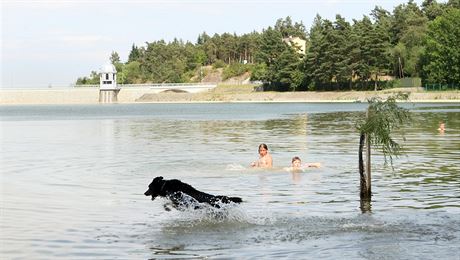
<point>442,49</point>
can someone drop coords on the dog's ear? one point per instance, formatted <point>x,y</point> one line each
<point>159,178</point>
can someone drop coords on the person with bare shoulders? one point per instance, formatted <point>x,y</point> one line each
<point>265,159</point>
<point>296,164</point>
<point>442,127</point>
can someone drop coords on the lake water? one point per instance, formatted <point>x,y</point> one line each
<point>73,178</point>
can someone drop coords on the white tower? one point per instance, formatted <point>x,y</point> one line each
<point>108,89</point>
<point>108,78</point>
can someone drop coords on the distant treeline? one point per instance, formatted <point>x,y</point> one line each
<point>412,41</point>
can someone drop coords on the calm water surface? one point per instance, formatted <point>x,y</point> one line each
<point>73,177</point>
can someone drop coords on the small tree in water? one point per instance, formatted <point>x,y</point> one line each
<point>381,118</point>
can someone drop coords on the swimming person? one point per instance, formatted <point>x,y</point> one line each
<point>296,164</point>
<point>265,159</point>
<point>442,127</point>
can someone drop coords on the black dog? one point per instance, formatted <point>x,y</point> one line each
<point>183,195</point>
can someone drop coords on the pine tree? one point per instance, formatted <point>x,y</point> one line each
<point>312,60</point>
<point>134,54</point>
<point>271,47</point>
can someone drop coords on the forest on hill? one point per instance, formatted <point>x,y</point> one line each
<point>410,41</point>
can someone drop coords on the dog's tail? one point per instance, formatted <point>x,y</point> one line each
<point>226,199</point>
<point>235,199</point>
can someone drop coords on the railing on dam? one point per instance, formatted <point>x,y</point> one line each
<point>153,85</point>
<point>160,87</point>
<point>167,85</point>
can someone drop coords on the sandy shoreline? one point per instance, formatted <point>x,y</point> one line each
<point>293,97</point>
<point>144,95</point>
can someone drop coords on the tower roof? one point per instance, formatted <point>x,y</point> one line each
<point>108,68</point>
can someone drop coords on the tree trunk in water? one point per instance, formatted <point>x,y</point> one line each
<point>365,179</point>
<point>365,195</point>
<point>362,177</point>
<point>368,165</point>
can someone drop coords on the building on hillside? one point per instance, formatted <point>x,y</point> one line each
<point>297,43</point>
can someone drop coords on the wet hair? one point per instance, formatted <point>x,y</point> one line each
<point>295,158</point>
<point>263,146</point>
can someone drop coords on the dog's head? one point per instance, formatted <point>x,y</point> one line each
<point>155,187</point>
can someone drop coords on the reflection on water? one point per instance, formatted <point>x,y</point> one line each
<point>73,178</point>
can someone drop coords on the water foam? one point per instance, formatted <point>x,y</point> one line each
<point>191,213</point>
<point>235,167</point>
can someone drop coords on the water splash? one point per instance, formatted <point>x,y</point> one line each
<point>190,213</point>
<point>235,167</point>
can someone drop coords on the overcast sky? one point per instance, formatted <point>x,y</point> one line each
<point>54,42</point>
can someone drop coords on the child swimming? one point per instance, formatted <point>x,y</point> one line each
<point>296,164</point>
